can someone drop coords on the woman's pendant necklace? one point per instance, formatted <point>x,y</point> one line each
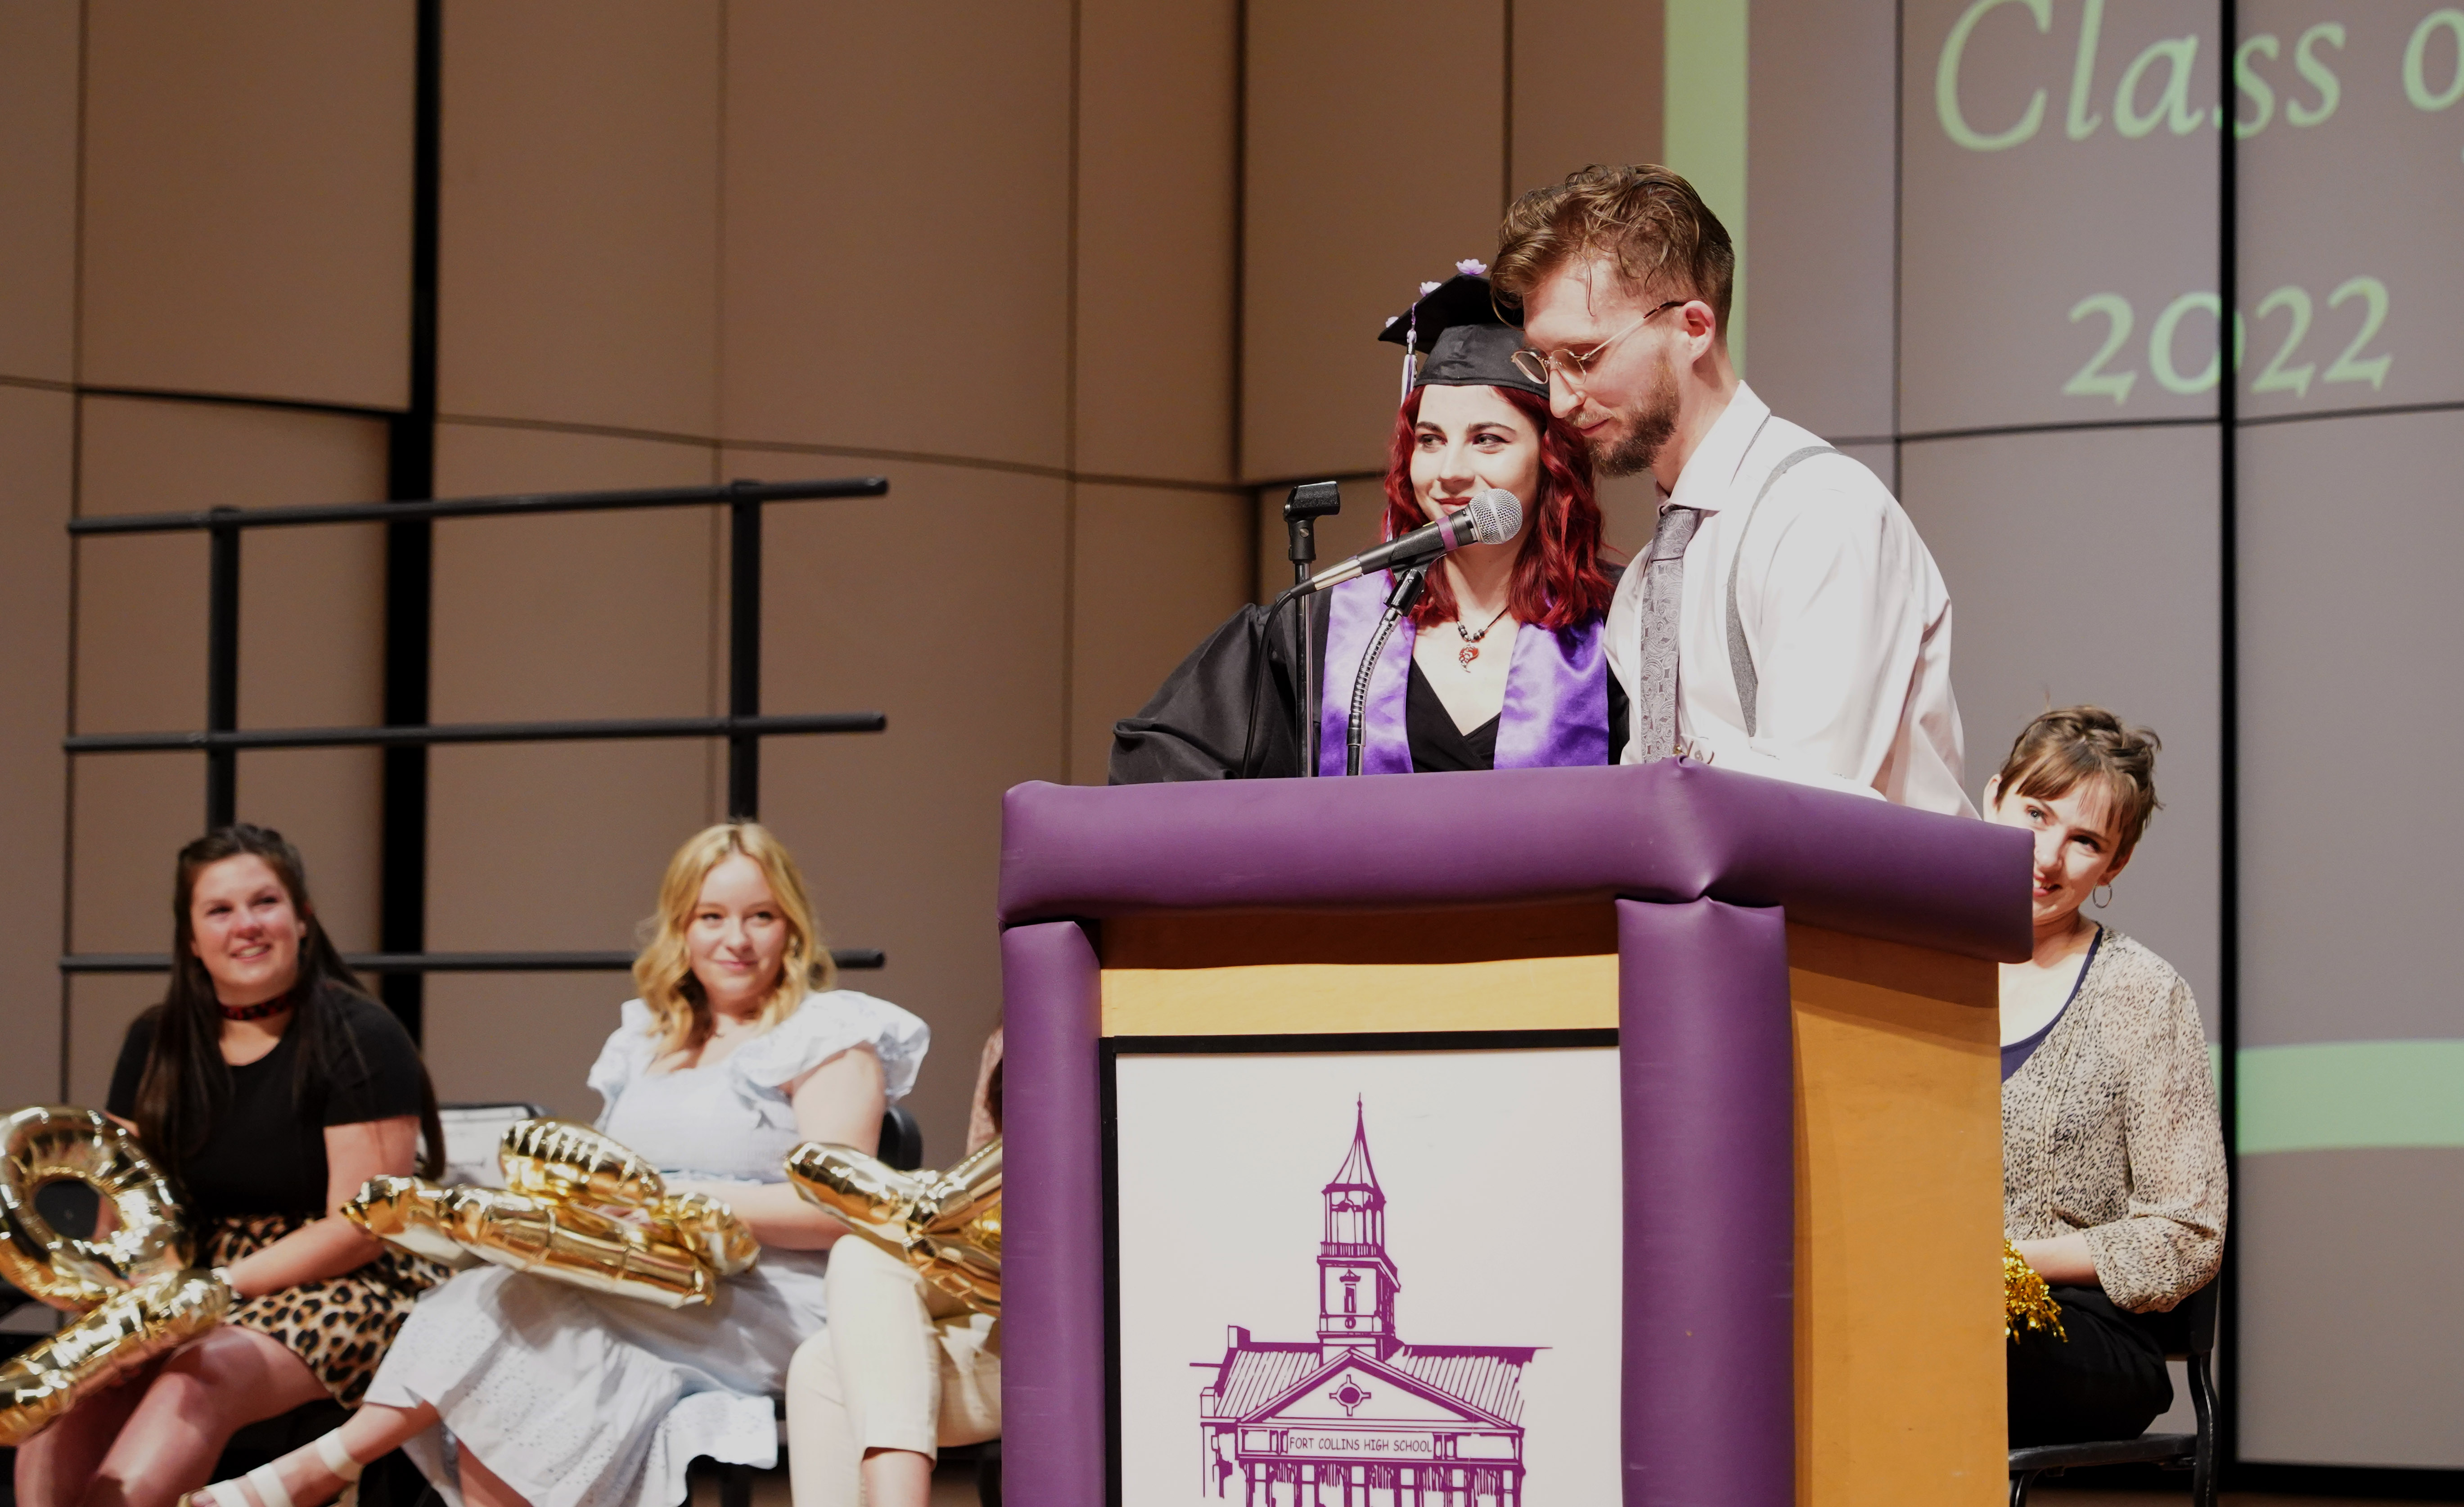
<point>1470,651</point>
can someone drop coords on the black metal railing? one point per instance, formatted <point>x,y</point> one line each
<point>222,739</point>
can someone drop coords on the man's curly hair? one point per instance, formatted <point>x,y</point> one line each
<point>1647,221</point>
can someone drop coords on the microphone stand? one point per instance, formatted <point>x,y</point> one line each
<point>1303,507</point>
<point>1407,590</point>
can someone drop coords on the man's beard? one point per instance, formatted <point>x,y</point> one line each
<point>1653,428</point>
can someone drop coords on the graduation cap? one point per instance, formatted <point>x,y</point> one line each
<point>1462,338</point>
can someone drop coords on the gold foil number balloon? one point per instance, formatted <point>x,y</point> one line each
<point>577,1209</point>
<point>144,1300</point>
<point>564,1162</point>
<point>946,1225</point>
<point>128,1330</point>
<point>57,1142</point>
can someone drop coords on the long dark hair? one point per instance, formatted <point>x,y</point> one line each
<point>1558,581</point>
<point>185,1072</point>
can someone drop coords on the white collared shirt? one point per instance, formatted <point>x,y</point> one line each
<point>1846,617</point>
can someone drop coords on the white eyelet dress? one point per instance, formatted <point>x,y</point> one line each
<point>575,1399</point>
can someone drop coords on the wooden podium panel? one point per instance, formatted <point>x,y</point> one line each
<point>1899,1224</point>
<point>1897,1117</point>
<point>1525,967</point>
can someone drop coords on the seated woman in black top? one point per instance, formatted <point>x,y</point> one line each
<point>270,1088</point>
<point>1503,667</point>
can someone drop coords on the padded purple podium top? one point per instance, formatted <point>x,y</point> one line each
<point>1670,831</point>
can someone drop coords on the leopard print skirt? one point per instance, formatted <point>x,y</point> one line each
<point>341,1326</point>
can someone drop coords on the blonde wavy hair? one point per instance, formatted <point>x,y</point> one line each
<point>664,973</point>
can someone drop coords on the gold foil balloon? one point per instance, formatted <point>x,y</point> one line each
<point>140,1297</point>
<point>2027,1302</point>
<point>565,1163</point>
<point>54,1142</point>
<point>412,1213</point>
<point>947,1225</point>
<point>579,1208</point>
<point>126,1331</point>
<point>711,1231</point>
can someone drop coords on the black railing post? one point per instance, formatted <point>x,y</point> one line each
<point>222,674</point>
<point>402,888</point>
<point>744,655</point>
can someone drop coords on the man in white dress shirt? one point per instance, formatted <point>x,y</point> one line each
<point>1787,620</point>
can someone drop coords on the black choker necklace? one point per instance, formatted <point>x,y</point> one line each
<point>272,1007</point>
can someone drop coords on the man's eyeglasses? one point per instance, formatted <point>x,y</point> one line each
<point>1570,368</point>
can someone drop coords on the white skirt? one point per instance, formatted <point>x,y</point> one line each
<point>575,1399</point>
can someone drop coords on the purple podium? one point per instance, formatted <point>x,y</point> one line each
<point>1777,1000</point>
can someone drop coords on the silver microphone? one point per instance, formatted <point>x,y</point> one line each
<point>1492,516</point>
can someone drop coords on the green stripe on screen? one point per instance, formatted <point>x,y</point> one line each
<point>2350,1095</point>
<point>1702,131</point>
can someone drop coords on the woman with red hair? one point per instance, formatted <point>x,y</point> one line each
<point>1504,666</point>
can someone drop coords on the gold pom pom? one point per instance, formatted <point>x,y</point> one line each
<point>2027,1303</point>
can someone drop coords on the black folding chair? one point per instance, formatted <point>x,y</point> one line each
<point>472,1133</point>
<point>2196,1452</point>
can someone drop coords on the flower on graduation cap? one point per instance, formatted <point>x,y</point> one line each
<point>1469,267</point>
<point>1428,288</point>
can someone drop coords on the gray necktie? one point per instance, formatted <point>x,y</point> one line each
<point>1655,666</point>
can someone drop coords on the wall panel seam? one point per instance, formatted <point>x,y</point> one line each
<point>1069,399</point>
<point>77,505</point>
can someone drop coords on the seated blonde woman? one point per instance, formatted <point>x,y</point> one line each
<point>510,1388</point>
<point>2113,1158</point>
<point>904,1370</point>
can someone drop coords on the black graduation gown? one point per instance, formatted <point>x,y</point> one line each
<point>1199,725</point>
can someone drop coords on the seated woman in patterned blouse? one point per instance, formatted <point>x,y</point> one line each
<point>2113,1161</point>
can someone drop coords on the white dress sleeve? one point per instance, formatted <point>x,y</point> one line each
<point>629,1052</point>
<point>828,1024</point>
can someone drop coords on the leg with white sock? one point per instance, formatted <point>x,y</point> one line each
<point>317,1472</point>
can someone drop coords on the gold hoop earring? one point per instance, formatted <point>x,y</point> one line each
<point>2107,892</point>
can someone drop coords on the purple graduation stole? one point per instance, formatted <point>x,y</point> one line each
<point>1556,709</point>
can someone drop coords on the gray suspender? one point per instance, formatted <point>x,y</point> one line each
<point>1741,659</point>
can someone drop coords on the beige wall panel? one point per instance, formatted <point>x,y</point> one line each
<point>248,198</point>
<point>141,634</point>
<point>100,1007</point>
<point>143,455</point>
<point>1155,572</point>
<point>129,817</point>
<point>577,615</point>
<point>1588,86</point>
<point>36,445</point>
<point>1823,193</point>
<point>940,606</point>
<point>555,846</point>
<point>577,272</point>
<point>1374,153</point>
<point>309,636</point>
<point>38,147</point>
<point>522,1037</point>
<point>1158,160</point>
<point>897,226</point>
